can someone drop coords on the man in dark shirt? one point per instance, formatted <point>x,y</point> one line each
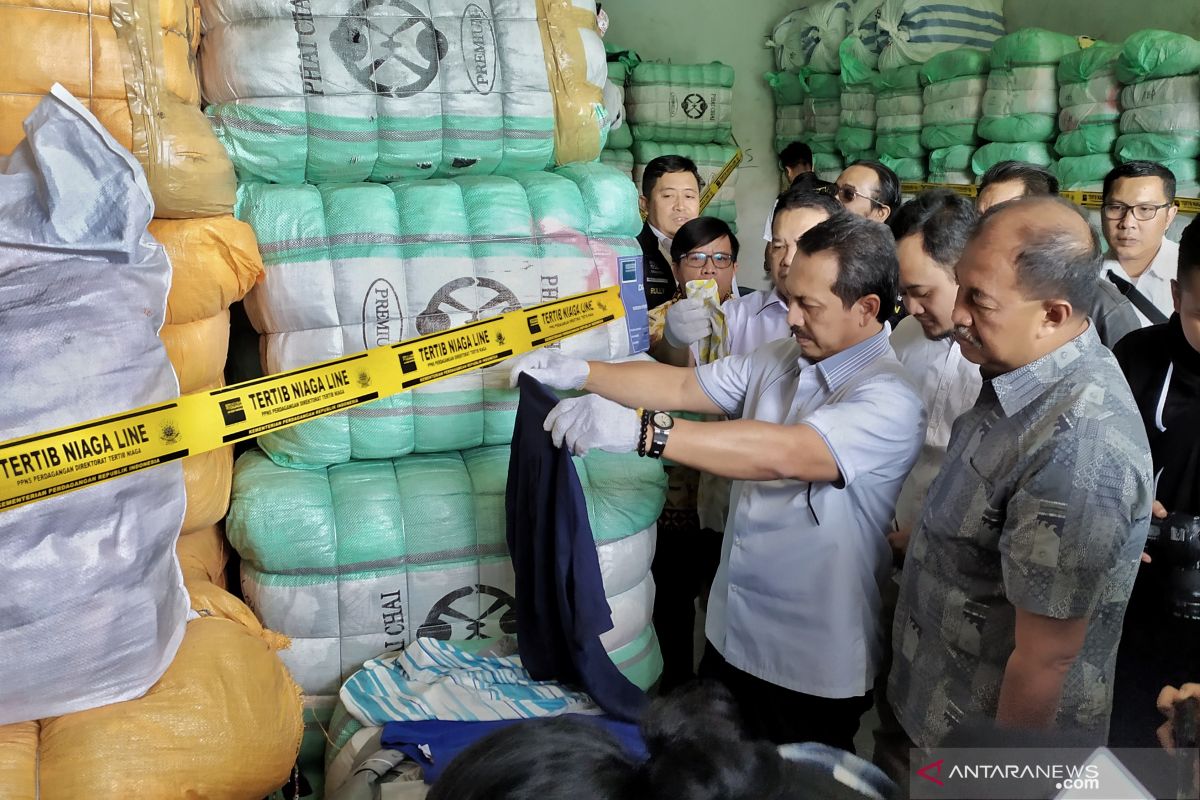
<point>1162,365</point>
<point>670,198</point>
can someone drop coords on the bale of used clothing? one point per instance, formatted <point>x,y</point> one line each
<point>95,606</point>
<point>914,31</point>
<point>132,63</point>
<point>681,102</point>
<point>403,90</point>
<point>1160,98</point>
<point>355,266</point>
<point>899,110</point>
<point>1089,119</point>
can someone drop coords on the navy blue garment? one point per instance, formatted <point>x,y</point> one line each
<point>561,608</point>
<point>434,743</point>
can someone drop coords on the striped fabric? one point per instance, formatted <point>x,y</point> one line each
<point>433,679</point>
<point>913,31</point>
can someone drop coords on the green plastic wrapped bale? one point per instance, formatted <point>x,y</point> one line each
<point>681,102</point>
<point>1157,146</point>
<point>1083,65</point>
<point>828,165</point>
<point>618,159</point>
<point>904,79</point>
<point>906,169</point>
<point>1157,54</point>
<point>362,558</point>
<point>1186,170</point>
<point>1087,140</point>
<point>951,159</point>
<point>862,155</point>
<point>1183,90</point>
<point>618,72</point>
<point>710,159</point>
<point>857,66</point>
<point>362,265</point>
<point>825,143</point>
<point>961,63</point>
<point>1076,173</point>
<point>1177,118</point>
<point>993,153</point>
<point>1095,102</point>
<point>786,87</point>
<point>937,137</point>
<point>955,89</point>
<point>1032,46</point>
<point>855,140</point>
<point>858,109</point>
<point>619,139</point>
<point>1019,128</point>
<point>820,84</point>
<point>822,115</point>
<point>902,145</point>
<point>900,104</point>
<point>789,123</point>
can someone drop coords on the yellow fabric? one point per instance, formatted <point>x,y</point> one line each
<point>207,480</point>
<point>132,63</point>
<point>214,263</point>
<point>577,102</point>
<point>709,348</point>
<point>203,555</point>
<point>223,723</point>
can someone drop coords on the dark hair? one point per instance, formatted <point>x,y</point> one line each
<point>1053,262</point>
<point>664,164</point>
<point>889,183</point>
<point>796,197</point>
<point>1189,251</point>
<point>943,218</point>
<point>866,254</point>
<point>1038,181</point>
<point>699,232</point>
<point>795,154</point>
<point>530,760</point>
<point>1141,169</point>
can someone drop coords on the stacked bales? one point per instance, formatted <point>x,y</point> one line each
<point>898,124</point>
<point>915,31</point>
<point>618,148</point>
<point>1161,102</point>
<point>822,113</point>
<point>955,83</point>
<point>1020,108</point>
<point>685,109</point>
<point>1090,115</point>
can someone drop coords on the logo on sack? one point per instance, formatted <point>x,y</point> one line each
<point>476,297</point>
<point>472,612</point>
<point>389,53</point>
<point>534,325</point>
<point>364,379</point>
<point>306,44</point>
<point>232,411</point>
<point>694,106</point>
<point>383,321</point>
<point>169,433</point>
<point>479,49</point>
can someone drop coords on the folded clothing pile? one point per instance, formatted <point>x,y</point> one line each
<point>1020,108</point>
<point>1090,115</point>
<point>955,83</point>
<point>822,115</point>
<point>1161,102</point>
<point>856,130</point>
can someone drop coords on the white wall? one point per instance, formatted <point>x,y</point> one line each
<point>733,32</point>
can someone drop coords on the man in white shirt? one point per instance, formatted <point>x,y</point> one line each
<point>931,232</point>
<point>1138,208</point>
<point>823,429</point>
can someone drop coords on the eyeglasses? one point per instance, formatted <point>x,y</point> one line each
<point>846,194</point>
<point>1143,212</point>
<point>699,260</point>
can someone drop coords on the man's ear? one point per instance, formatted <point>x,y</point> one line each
<point>643,205</point>
<point>870,306</point>
<point>1056,313</point>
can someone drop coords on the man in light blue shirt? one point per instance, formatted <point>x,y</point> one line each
<point>823,429</point>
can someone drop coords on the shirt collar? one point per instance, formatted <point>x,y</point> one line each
<point>662,237</point>
<point>838,369</point>
<point>771,299</point>
<point>1017,389</point>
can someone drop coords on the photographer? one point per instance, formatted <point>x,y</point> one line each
<point>1160,642</point>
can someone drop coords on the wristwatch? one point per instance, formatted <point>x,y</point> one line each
<point>661,422</point>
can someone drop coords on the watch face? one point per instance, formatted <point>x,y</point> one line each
<point>663,420</point>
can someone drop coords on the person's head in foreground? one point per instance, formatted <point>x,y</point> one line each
<point>670,193</point>
<point>1138,208</point>
<point>796,212</point>
<point>1009,180</point>
<point>868,189</point>
<point>1185,289</point>
<point>704,249</point>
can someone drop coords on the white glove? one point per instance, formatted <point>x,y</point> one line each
<point>688,321</point>
<point>591,421</point>
<point>551,368</point>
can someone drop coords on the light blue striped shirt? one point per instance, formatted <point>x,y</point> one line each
<point>796,597</point>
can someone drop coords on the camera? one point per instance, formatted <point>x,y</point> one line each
<point>1175,540</point>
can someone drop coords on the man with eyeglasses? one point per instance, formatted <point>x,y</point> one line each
<point>867,189</point>
<point>1138,208</point>
<point>824,427</point>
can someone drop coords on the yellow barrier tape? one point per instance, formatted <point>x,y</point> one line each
<point>718,181</point>
<point>51,463</point>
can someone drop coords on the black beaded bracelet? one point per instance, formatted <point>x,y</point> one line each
<point>644,426</point>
